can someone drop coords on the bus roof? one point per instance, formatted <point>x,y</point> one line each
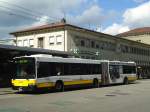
<point>50,58</point>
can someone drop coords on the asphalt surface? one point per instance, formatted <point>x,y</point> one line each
<point>120,98</point>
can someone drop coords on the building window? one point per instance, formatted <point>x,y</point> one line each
<point>76,40</point>
<point>87,57</point>
<point>40,42</point>
<point>101,45</point>
<point>25,43</point>
<point>51,40</point>
<point>97,46</point>
<point>92,44</point>
<point>20,43</point>
<point>31,43</point>
<point>111,46</point>
<point>88,43</point>
<point>82,43</point>
<point>59,39</point>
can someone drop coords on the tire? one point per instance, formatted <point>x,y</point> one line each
<point>95,83</point>
<point>125,82</point>
<point>59,86</point>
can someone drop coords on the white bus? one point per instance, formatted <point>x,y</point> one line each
<point>45,71</point>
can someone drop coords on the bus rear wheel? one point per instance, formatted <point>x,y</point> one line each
<point>59,86</point>
<point>125,81</point>
<point>95,83</point>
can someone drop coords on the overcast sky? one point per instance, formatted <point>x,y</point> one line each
<point>108,16</point>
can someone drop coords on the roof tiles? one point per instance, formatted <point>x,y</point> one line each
<point>137,31</point>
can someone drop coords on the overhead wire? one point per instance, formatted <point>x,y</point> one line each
<point>10,12</point>
<point>30,12</point>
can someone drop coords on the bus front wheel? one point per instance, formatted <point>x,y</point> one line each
<point>59,86</point>
<point>125,81</point>
<point>95,83</point>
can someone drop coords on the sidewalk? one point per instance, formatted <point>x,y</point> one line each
<point>4,91</point>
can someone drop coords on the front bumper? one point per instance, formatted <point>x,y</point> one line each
<point>28,88</point>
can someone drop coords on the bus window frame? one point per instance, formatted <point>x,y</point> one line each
<point>33,63</point>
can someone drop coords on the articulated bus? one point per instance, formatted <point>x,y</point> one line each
<point>45,71</point>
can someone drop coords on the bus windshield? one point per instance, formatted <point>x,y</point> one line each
<point>25,68</point>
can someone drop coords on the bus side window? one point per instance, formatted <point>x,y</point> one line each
<point>67,69</point>
<point>59,68</point>
<point>114,71</point>
<point>129,69</point>
<point>44,70</point>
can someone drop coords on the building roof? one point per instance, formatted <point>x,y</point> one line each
<point>50,26</point>
<point>66,25</point>
<point>56,25</point>
<point>137,31</point>
<point>46,26</point>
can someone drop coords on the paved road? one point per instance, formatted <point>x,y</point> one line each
<point>122,98</point>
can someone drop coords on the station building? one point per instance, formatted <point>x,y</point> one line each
<point>139,34</point>
<point>85,43</point>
